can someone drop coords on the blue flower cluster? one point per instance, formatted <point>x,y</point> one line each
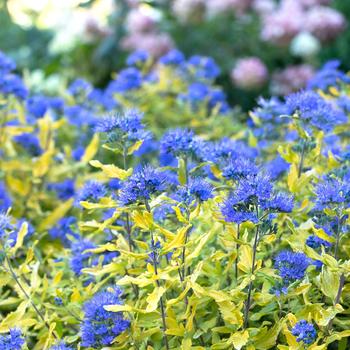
<point>291,266</point>
<point>142,185</point>
<point>305,332</point>
<point>12,341</point>
<point>61,346</point>
<point>100,327</point>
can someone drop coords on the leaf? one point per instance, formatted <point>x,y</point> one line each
<point>20,237</point>
<point>179,239</point>
<point>135,147</point>
<point>153,298</point>
<point>42,164</point>
<point>246,258</point>
<point>91,149</point>
<point>56,215</point>
<point>292,177</point>
<point>144,220</point>
<point>111,170</point>
<point>182,171</point>
<point>329,282</point>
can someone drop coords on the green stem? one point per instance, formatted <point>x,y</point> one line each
<point>39,313</point>
<point>155,266</point>
<point>302,157</point>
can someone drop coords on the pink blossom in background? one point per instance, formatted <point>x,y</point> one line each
<point>280,26</point>
<point>139,21</point>
<point>156,44</point>
<point>324,22</point>
<point>189,10</point>
<point>291,79</point>
<point>249,73</point>
<point>215,7</point>
<point>263,7</point>
<point>310,3</point>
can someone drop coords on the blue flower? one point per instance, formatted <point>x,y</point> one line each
<point>142,185</point>
<point>12,84</point>
<point>100,327</point>
<point>313,109</point>
<point>12,237</point>
<point>78,152</point>
<point>92,191</point>
<point>291,266</point>
<point>120,126</point>
<point>277,167</point>
<point>179,143</point>
<point>5,224</point>
<point>232,211</point>
<point>137,57</point>
<point>6,63</point>
<point>79,116</point>
<point>328,75</point>
<point>5,199</point>
<point>330,192</point>
<point>173,57</point>
<point>12,341</point>
<point>304,332</point>
<point>279,202</point>
<point>203,67</point>
<point>61,346</point>
<point>65,227</point>
<point>239,168</point>
<point>127,79</point>
<point>196,189</point>
<point>79,87</point>
<point>80,258</point>
<point>30,143</point>
<point>314,241</point>
<point>64,189</point>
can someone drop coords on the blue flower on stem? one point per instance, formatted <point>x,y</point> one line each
<point>100,327</point>
<point>305,332</point>
<point>12,341</point>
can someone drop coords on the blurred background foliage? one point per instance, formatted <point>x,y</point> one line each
<point>56,41</point>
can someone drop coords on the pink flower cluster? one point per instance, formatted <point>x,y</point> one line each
<point>291,79</point>
<point>292,17</point>
<point>143,34</point>
<point>249,73</point>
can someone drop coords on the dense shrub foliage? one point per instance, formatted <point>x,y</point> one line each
<point>148,216</point>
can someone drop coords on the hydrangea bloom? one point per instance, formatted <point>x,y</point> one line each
<point>100,327</point>
<point>304,332</point>
<point>142,185</point>
<point>12,341</point>
<point>291,266</point>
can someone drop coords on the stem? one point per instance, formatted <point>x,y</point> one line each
<point>300,169</point>
<point>237,250</point>
<point>336,248</point>
<point>248,302</point>
<point>161,302</point>
<point>14,276</point>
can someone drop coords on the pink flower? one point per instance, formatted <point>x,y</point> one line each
<point>291,79</point>
<point>281,25</point>
<point>310,3</point>
<point>139,21</point>
<point>263,7</point>
<point>189,10</point>
<point>324,22</point>
<point>156,44</point>
<point>215,7</point>
<point>249,73</point>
